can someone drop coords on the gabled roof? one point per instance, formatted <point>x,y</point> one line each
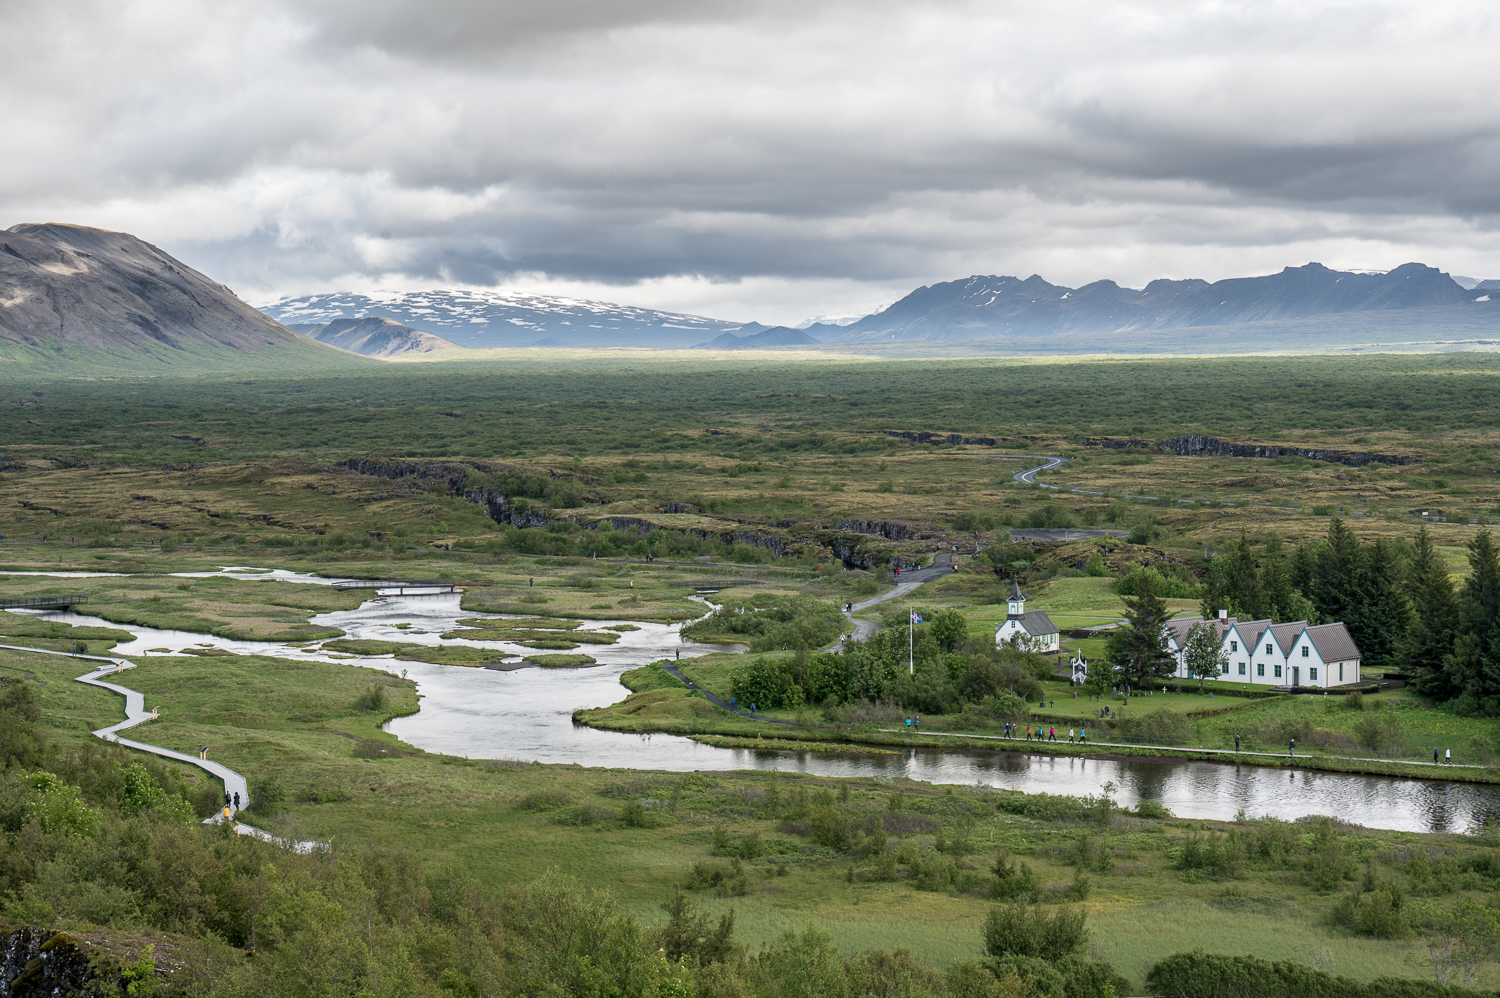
<point>1036,623</point>
<point>1252,631</point>
<point>1286,635</point>
<point>1334,642</point>
<point>1178,627</point>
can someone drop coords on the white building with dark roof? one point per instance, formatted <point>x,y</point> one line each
<point>1033,631</point>
<point>1265,653</point>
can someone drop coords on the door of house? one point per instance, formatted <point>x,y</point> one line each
<point>1296,675</point>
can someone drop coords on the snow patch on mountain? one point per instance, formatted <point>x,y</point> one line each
<point>483,318</point>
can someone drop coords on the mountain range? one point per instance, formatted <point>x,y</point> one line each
<point>480,318</point>
<point>72,296</point>
<point>999,308</point>
<point>1300,303</point>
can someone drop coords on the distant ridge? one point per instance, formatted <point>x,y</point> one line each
<point>374,336</point>
<point>760,339</point>
<point>979,308</point>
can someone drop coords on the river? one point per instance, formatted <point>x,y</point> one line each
<point>525,714</point>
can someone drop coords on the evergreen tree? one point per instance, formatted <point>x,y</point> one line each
<point>1434,615</point>
<point>1335,585</point>
<point>1471,673</point>
<point>1138,649</point>
<point>1383,618</point>
<point>1233,583</point>
<point>1255,589</point>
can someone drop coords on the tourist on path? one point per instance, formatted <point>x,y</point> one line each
<point>1447,756</point>
<point>1070,736</point>
<point>1083,736</point>
<point>1236,743</point>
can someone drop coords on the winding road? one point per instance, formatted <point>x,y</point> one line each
<point>1028,477</point>
<point>136,713</point>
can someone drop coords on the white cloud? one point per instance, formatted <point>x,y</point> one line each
<point>756,158</point>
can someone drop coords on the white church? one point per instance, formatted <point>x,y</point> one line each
<point>1270,654</point>
<point>1032,631</point>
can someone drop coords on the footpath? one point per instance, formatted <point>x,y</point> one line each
<point>136,713</point>
<point>1185,748</point>
<point>907,582</point>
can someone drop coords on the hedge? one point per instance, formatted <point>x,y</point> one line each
<point>1212,975</point>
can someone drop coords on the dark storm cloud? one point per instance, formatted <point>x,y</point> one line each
<point>286,146</point>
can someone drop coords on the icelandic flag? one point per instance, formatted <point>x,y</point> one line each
<point>916,618</point>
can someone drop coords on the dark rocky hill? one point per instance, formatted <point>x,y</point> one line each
<point>68,287</point>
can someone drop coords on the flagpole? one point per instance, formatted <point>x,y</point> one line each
<point>911,631</point>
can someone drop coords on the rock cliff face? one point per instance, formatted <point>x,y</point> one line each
<point>68,285</point>
<point>43,963</point>
<point>1195,445</point>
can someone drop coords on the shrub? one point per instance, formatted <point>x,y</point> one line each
<point>372,699</point>
<point>1013,881</point>
<point>1151,809</point>
<point>583,814</point>
<point>831,828</point>
<point>1215,855</point>
<point>973,520</point>
<point>633,814</point>
<point>267,796</point>
<point>1380,914</point>
<point>1213,975</point>
<point>1030,930</point>
<point>730,880</point>
<point>543,800</point>
<point>767,683</point>
<point>59,807</point>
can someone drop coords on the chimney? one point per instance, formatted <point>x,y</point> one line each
<point>1223,614</point>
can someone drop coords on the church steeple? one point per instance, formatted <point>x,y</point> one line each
<point>1016,605</point>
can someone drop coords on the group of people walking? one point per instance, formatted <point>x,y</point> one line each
<point>1038,733</point>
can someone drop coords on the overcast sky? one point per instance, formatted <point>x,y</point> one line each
<point>756,159</point>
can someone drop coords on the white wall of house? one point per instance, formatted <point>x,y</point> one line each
<point>1267,663</point>
<point>1012,630</point>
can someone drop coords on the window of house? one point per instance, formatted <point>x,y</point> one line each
<point>1260,668</point>
<point>1270,650</point>
<point>1304,651</point>
<point>1278,672</point>
<point>1234,646</point>
<point>1242,668</point>
<point>1341,672</point>
<point>1224,669</point>
<point>1312,673</point>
